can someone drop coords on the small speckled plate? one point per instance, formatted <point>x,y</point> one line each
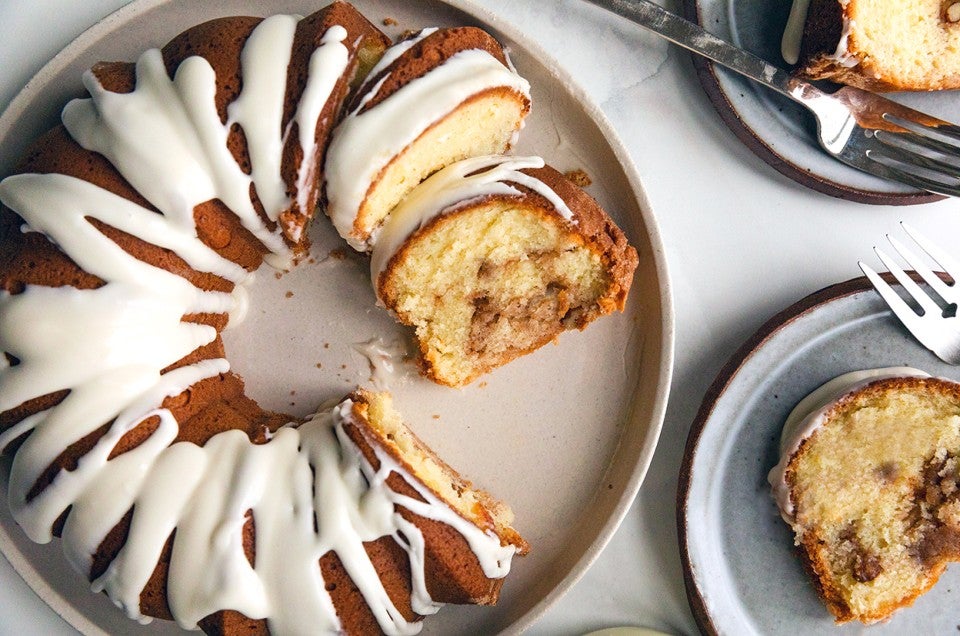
<point>742,574</point>
<point>779,131</point>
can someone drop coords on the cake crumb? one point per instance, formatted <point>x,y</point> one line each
<point>326,345</point>
<point>953,12</point>
<point>436,417</point>
<point>289,294</point>
<point>390,22</point>
<point>338,254</point>
<point>483,384</point>
<point>579,177</point>
<point>319,366</point>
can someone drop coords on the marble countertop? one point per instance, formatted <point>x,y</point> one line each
<point>742,243</point>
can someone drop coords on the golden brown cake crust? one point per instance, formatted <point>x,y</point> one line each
<point>599,230</point>
<point>822,32</point>
<point>426,55</point>
<point>937,548</point>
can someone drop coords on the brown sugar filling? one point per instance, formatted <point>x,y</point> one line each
<point>935,516</point>
<point>503,321</point>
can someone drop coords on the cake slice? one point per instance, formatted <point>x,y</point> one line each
<point>493,257</point>
<point>435,98</point>
<point>876,44</point>
<point>869,480</point>
<point>407,532</point>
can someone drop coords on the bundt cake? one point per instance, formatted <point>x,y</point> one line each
<point>493,257</point>
<point>876,44</point>
<point>438,97</point>
<point>869,479</point>
<point>123,235</point>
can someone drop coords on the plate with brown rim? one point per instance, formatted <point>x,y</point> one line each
<point>741,572</point>
<point>779,131</point>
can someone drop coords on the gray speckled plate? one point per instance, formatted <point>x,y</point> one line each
<point>779,131</point>
<point>741,572</point>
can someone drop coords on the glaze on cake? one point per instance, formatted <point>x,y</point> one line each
<point>869,480</point>
<point>127,233</point>
<point>435,98</point>
<point>493,257</point>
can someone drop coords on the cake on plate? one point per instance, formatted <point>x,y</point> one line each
<point>869,480</point>
<point>876,44</point>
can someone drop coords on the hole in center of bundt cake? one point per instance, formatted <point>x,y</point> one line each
<point>312,333</point>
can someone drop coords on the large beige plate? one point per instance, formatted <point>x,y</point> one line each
<point>565,435</point>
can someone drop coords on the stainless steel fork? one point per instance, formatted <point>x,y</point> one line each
<point>864,130</point>
<point>936,325</point>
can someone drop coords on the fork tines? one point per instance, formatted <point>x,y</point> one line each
<point>935,324</point>
<point>925,156</point>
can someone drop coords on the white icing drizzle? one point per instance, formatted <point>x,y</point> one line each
<point>327,63</point>
<point>109,346</point>
<point>259,107</point>
<point>793,33</point>
<point>364,143</point>
<point>166,138</point>
<point>451,188</point>
<point>842,55</point>
<point>810,414</point>
<point>241,304</point>
<point>382,356</point>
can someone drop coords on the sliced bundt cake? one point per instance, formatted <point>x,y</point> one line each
<point>876,44</point>
<point>869,480</point>
<point>438,97</point>
<point>122,234</point>
<point>493,257</point>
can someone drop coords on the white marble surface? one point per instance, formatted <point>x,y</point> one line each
<point>742,242</point>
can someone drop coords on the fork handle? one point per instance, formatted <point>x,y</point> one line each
<point>691,36</point>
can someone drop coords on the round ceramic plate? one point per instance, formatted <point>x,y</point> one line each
<point>564,435</point>
<point>778,130</point>
<point>741,572</point>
